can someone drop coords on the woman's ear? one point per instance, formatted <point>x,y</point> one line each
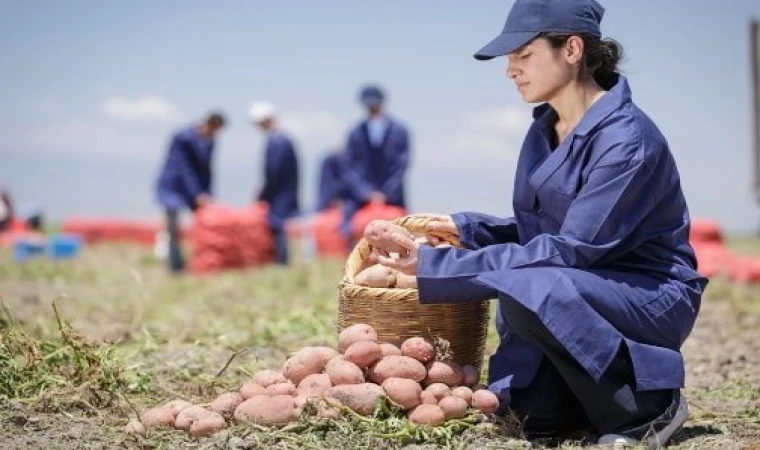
<point>574,49</point>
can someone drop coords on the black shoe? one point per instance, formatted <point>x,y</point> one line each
<point>658,432</point>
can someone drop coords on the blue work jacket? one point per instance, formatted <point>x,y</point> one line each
<point>374,168</point>
<point>332,184</point>
<point>187,170</point>
<point>597,248</point>
<point>280,189</point>
<point>377,168</point>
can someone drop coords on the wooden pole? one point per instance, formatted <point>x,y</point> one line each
<point>755,58</point>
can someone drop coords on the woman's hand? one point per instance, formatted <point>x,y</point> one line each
<point>439,228</point>
<point>442,224</point>
<point>405,262</point>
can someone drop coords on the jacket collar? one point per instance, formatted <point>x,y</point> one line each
<point>610,102</point>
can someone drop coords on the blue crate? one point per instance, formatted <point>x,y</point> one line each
<point>64,246</point>
<point>25,248</point>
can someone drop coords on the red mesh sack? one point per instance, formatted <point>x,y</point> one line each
<point>229,238</point>
<point>744,269</point>
<point>712,258</point>
<point>96,230</point>
<point>703,230</point>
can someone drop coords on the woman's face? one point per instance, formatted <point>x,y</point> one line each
<point>540,71</point>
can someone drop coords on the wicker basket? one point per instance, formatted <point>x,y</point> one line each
<point>396,314</point>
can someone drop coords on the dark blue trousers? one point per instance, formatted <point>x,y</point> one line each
<point>280,246</point>
<point>563,397</point>
<point>176,260</point>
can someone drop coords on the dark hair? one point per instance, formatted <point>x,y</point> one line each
<point>600,56</point>
<point>215,120</point>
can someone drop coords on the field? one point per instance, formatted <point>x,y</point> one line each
<point>86,343</point>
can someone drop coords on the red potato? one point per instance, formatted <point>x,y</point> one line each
<point>462,392</point>
<point>207,424</point>
<point>427,415</point>
<point>478,387</point>
<point>428,398</point>
<point>266,377</point>
<point>341,372</point>
<point>407,393</point>
<point>326,353</point>
<point>453,407</point>
<point>250,389</point>
<point>175,406</point>
<point>390,349</point>
<point>379,234</point>
<point>448,373</point>
<point>356,333</point>
<point>363,353</point>
<point>404,281</point>
<point>286,388</point>
<point>439,390</point>
<point>377,276</point>
<point>303,363</point>
<point>226,403</point>
<point>157,417</point>
<point>361,398</point>
<point>314,385</point>
<point>418,348</point>
<point>135,428</point>
<point>276,410</point>
<point>397,366</point>
<point>187,416</point>
<point>485,401</point>
<point>471,375</point>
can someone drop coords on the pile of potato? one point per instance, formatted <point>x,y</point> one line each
<point>380,234</point>
<point>357,376</point>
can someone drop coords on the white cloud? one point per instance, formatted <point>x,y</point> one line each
<point>479,157</point>
<point>79,137</point>
<point>486,137</point>
<point>319,129</point>
<point>509,120</point>
<point>144,108</point>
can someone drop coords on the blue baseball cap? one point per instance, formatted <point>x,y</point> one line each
<point>371,96</point>
<point>529,18</point>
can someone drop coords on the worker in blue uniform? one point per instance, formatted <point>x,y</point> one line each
<point>186,178</point>
<point>596,282</point>
<point>280,188</point>
<point>377,157</point>
<point>332,187</point>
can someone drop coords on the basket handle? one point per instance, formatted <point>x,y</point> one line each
<point>415,223</point>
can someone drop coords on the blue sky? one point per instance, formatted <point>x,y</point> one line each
<point>91,91</point>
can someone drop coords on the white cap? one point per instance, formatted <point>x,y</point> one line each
<point>261,111</point>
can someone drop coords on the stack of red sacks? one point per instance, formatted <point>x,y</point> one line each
<point>707,239</point>
<point>96,230</point>
<point>715,259</point>
<point>225,238</point>
<point>744,269</point>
